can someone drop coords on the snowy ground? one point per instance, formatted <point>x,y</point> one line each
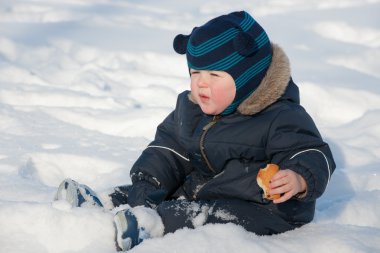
<point>84,83</point>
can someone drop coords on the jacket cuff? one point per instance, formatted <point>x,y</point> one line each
<point>136,177</point>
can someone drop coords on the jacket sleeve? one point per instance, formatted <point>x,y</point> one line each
<point>294,143</point>
<point>164,162</point>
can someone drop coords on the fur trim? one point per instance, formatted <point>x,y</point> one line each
<point>272,87</point>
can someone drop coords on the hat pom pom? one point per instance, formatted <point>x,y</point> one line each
<point>180,43</point>
<point>245,44</point>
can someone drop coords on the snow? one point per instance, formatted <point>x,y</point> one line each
<point>149,220</point>
<point>83,84</point>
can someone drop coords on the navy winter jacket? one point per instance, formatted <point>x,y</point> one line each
<point>203,157</point>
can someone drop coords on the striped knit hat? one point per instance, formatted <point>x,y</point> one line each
<point>234,43</point>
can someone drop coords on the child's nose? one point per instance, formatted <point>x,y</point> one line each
<point>202,84</point>
<point>203,81</point>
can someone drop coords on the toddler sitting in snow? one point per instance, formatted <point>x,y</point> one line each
<point>242,112</point>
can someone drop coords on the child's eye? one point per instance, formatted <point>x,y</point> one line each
<point>194,72</point>
<point>214,74</point>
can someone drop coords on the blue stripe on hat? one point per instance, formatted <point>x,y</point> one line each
<point>233,59</point>
<point>252,71</point>
<point>262,39</point>
<point>211,44</point>
<point>221,39</point>
<point>247,22</point>
<point>222,64</point>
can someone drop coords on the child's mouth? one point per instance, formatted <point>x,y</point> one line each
<point>203,98</point>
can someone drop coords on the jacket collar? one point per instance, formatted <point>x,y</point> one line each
<point>272,87</point>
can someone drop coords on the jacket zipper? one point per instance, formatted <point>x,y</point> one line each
<point>201,145</point>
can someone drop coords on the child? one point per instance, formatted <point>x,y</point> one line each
<point>242,113</point>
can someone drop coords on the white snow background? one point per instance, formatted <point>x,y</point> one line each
<point>83,85</point>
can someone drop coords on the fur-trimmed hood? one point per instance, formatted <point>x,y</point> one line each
<point>271,88</point>
<point>273,85</point>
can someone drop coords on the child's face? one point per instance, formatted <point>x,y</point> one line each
<point>212,90</point>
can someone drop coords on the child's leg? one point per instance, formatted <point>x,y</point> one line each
<point>183,213</point>
<point>251,216</point>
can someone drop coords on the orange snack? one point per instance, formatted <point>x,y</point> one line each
<point>263,178</point>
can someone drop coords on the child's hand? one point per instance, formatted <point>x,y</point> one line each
<point>288,183</point>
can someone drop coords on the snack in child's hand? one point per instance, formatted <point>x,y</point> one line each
<point>263,179</point>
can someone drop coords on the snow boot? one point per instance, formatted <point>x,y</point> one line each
<point>127,231</point>
<point>77,194</point>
